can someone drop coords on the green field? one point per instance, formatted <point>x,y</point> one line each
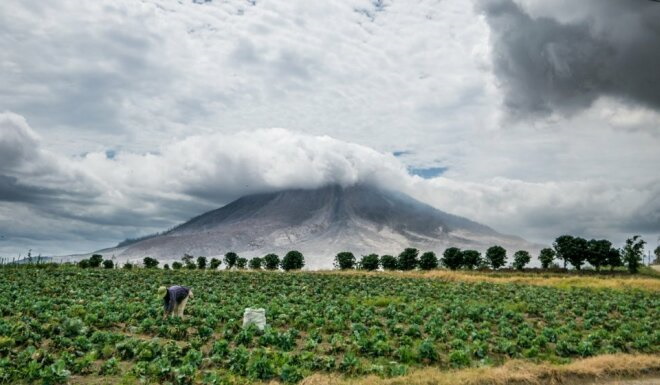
<point>85,325</point>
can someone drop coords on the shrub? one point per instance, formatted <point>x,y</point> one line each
<point>95,260</point>
<point>150,263</point>
<point>201,263</point>
<point>56,373</point>
<point>496,256</point>
<point>459,359</point>
<point>215,263</point>
<point>230,259</point>
<point>271,261</point>
<point>452,258</point>
<point>84,263</point>
<point>408,259</point>
<point>108,264</point>
<point>109,368</point>
<point>471,258</point>
<point>293,260</point>
<point>427,350</point>
<point>241,263</point>
<point>255,263</point>
<point>128,265</point>
<point>290,374</point>
<point>345,260</point>
<point>177,265</point>
<point>428,261</point>
<point>546,257</point>
<point>388,262</point>
<point>520,259</point>
<point>369,262</point>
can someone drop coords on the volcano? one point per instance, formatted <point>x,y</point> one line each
<point>319,223</point>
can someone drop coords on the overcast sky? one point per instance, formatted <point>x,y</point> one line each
<point>121,118</point>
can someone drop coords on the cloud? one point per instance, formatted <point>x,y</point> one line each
<point>561,56</point>
<point>134,75</point>
<point>98,200</point>
<point>151,112</point>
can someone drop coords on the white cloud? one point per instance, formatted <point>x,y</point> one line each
<point>183,94</point>
<point>134,193</point>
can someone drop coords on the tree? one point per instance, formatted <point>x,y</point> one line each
<point>571,249</point>
<point>598,252</point>
<point>344,260</point>
<point>241,263</point>
<point>187,259</point>
<point>201,263</point>
<point>128,266</point>
<point>408,259</point>
<point>215,263</point>
<point>452,258</point>
<point>95,260</point>
<point>230,259</point>
<point>388,262</point>
<point>496,256</point>
<point>520,259</point>
<point>656,252</point>
<point>166,267</point>
<point>546,257</point>
<point>150,263</point>
<point>272,261</point>
<point>428,261</point>
<point>471,258</point>
<point>614,258</point>
<point>369,262</point>
<point>633,252</point>
<point>177,265</point>
<point>562,245</point>
<point>83,263</point>
<point>108,264</point>
<point>293,260</point>
<point>255,263</point>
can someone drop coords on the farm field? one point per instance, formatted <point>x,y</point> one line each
<point>71,325</point>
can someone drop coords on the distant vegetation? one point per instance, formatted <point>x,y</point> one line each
<point>568,250</point>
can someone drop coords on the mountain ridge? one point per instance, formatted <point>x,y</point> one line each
<point>318,222</point>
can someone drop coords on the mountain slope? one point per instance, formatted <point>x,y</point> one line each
<point>319,223</point>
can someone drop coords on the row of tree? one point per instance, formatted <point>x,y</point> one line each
<point>598,253</point>
<point>453,258</point>
<point>293,260</point>
<point>571,250</point>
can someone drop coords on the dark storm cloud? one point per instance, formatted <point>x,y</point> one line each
<point>548,60</point>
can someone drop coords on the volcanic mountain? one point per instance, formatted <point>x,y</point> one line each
<point>319,223</point>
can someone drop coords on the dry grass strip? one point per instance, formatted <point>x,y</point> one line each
<point>605,367</point>
<point>553,280</point>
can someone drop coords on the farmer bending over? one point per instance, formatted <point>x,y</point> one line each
<point>175,299</point>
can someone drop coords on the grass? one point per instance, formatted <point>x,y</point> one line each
<point>516,372</point>
<point>558,280</point>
